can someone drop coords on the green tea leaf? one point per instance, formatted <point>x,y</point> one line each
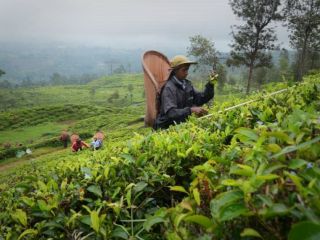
<point>232,211</point>
<point>242,170</point>
<point>120,233</point>
<point>305,231</point>
<point>139,186</point>
<point>200,219</point>
<point>224,204</point>
<point>29,201</point>
<point>249,232</point>
<point>267,177</point>
<point>297,163</point>
<point>296,180</point>
<point>178,189</point>
<point>296,147</point>
<point>43,206</point>
<point>95,189</point>
<point>95,221</point>
<point>128,197</point>
<point>28,231</point>
<point>86,219</point>
<point>106,172</point>
<point>274,148</point>
<point>64,184</point>
<point>249,133</point>
<point>277,209</point>
<point>196,196</point>
<point>179,218</point>
<point>20,216</point>
<point>231,182</point>
<point>152,221</point>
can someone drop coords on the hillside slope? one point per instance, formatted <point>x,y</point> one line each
<point>249,172</point>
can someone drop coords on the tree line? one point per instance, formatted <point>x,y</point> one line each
<point>55,79</point>
<point>255,39</point>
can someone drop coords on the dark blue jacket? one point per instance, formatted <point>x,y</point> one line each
<point>177,98</point>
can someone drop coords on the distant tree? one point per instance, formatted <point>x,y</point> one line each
<point>260,76</point>
<point>129,67</point>
<point>57,79</point>
<point>303,21</point>
<point>284,64</point>
<point>2,72</point>
<point>254,39</point>
<point>315,59</point>
<point>27,82</point>
<point>231,79</point>
<point>5,84</point>
<point>204,51</point>
<point>207,57</point>
<point>120,69</point>
<point>222,79</point>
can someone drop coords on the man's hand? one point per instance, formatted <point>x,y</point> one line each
<point>199,111</point>
<point>213,77</point>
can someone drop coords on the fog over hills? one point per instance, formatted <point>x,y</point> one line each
<point>37,62</point>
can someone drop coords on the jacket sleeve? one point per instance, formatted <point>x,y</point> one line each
<point>170,107</point>
<point>201,98</point>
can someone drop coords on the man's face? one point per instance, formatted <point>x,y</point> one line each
<point>182,72</point>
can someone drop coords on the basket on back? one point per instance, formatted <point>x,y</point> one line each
<point>156,67</point>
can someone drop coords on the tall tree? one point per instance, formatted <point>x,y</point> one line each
<point>2,72</point>
<point>203,50</point>
<point>255,38</point>
<point>284,64</point>
<point>207,57</point>
<point>303,20</point>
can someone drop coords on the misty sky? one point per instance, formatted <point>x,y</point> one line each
<point>152,24</point>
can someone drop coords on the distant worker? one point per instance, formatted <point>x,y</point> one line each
<point>78,145</point>
<point>64,138</point>
<point>178,98</point>
<point>96,143</point>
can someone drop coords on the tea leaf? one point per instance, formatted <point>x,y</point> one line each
<point>178,189</point>
<point>200,219</point>
<point>28,231</point>
<point>95,189</point>
<point>139,186</point>
<point>248,133</point>
<point>305,231</point>
<point>196,196</point>
<point>249,232</point>
<point>297,163</point>
<point>152,221</point>
<point>20,216</point>
<point>95,221</point>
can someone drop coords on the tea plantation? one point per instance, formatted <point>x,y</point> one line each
<point>33,117</point>
<point>251,172</point>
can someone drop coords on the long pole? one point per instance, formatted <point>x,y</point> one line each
<point>245,103</point>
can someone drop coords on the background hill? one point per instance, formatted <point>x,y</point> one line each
<point>39,62</point>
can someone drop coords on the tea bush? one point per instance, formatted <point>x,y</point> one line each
<point>248,172</point>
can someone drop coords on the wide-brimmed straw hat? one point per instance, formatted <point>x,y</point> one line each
<point>179,60</point>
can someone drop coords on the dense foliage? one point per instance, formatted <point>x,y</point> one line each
<point>248,172</point>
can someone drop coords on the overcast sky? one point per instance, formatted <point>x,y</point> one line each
<point>153,24</point>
